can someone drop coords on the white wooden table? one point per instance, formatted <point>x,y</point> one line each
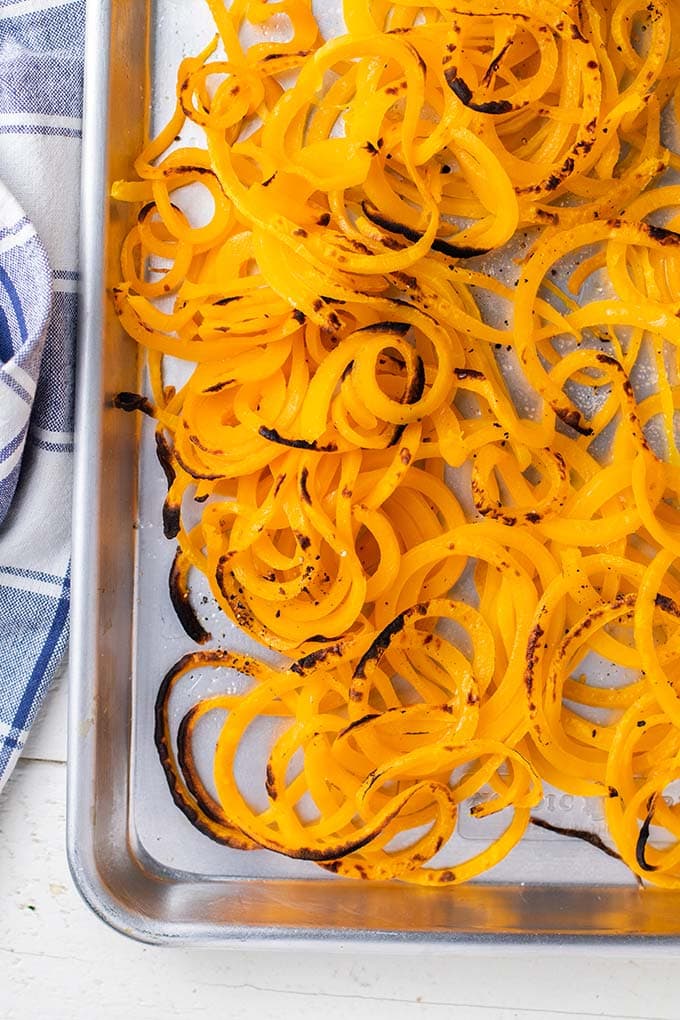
<point>58,962</point>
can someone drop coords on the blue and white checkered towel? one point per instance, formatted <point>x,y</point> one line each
<point>41,65</point>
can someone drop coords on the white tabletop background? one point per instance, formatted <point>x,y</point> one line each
<point>59,962</point>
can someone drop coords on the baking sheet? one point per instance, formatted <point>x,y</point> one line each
<point>137,860</point>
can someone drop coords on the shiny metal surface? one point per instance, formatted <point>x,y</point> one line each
<point>137,861</point>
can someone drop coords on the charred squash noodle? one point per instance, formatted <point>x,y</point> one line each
<point>442,244</point>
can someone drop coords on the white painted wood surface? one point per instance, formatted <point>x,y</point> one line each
<point>58,962</point>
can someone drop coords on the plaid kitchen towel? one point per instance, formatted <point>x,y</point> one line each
<point>41,68</point>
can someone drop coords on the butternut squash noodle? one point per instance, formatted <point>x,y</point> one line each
<point>444,245</point>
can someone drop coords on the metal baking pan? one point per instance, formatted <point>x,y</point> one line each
<point>136,860</point>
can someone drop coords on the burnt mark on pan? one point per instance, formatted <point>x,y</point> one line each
<point>172,519</point>
<point>468,373</point>
<point>643,839</point>
<point>382,642</point>
<point>304,491</point>
<point>416,387</point>
<point>313,659</point>
<point>532,656</point>
<point>586,837</point>
<point>395,328</point>
<point>439,244</point>
<point>573,420</point>
<point>297,444</point>
<point>181,601</point>
<point>165,459</point>
<point>129,402</point>
<point>460,89</point>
